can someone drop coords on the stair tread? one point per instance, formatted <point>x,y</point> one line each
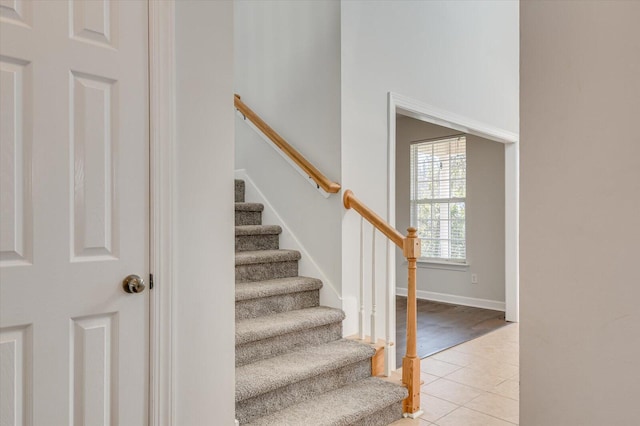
<point>266,256</point>
<point>258,230</point>
<point>275,287</point>
<point>342,406</point>
<point>259,328</point>
<point>267,375</point>
<point>249,207</point>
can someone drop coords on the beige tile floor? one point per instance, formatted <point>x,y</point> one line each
<point>472,384</point>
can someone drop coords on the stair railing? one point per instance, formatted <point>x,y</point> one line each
<point>285,149</point>
<point>410,246</point>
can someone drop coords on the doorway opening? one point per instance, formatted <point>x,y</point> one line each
<point>456,181</point>
<point>450,187</point>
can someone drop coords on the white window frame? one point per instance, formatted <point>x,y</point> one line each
<point>432,201</point>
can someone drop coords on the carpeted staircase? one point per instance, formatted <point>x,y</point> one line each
<point>292,365</point>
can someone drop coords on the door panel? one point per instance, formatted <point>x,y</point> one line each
<point>94,103</point>
<point>94,375</point>
<point>74,218</point>
<point>15,162</point>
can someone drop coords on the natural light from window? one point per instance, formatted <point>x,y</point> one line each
<point>438,194</point>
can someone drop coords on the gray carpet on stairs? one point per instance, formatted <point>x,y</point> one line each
<point>269,374</point>
<point>259,328</point>
<point>266,256</point>
<point>263,306</point>
<point>266,264</point>
<point>266,348</point>
<point>239,191</point>
<point>369,402</point>
<point>295,392</point>
<point>248,214</point>
<point>272,384</point>
<point>257,237</point>
<point>292,366</point>
<point>249,207</point>
<point>269,288</point>
<point>258,230</point>
<point>261,298</point>
<point>263,337</point>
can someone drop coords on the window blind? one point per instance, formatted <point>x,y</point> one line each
<point>438,194</point>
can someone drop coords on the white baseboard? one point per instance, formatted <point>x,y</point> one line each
<point>329,296</point>
<point>455,300</point>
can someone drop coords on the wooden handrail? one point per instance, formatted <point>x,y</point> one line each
<point>321,180</point>
<point>410,246</point>
<point>351,202</point>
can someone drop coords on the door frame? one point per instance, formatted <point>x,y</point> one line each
<point>416,109</point>
<point>173,327</point>
<point>161,199</point>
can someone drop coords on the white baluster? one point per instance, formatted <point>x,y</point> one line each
<point>388,332</point>
<point>373,284</point>
<point>361,317</point>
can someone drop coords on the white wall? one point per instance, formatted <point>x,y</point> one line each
<point>459,56</point>
<point>580,204</point>
<point>204,271</point>
<point>484,218</point>
<point>287,69</point>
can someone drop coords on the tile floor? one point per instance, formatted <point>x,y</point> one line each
<point>472,384</point>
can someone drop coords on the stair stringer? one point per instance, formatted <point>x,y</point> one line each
<point>329,295</point>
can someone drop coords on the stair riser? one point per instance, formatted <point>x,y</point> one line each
<point>248,218</point>
<point>266,271</point>
<point>299,373</point>
<point>278,345</point>
<point>275,304</point>
<point>257,242</point>
<point>382,417</point>
<point>239,191</point>
<point>294,393</point>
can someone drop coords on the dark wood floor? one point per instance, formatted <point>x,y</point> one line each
<point>441,326</point>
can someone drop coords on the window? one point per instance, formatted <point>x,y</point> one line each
<point>438,193</point>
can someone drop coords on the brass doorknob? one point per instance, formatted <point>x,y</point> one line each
<point>133,284</point>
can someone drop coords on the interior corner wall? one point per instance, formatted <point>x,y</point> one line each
<point>461,57</point>
<point>484,218</point>
<point>580,204</point>
<point>203,315</point>
<point>287,69</point>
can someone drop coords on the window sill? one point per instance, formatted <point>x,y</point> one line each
<point>441,264</point>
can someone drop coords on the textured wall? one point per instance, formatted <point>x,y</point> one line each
<point>580,204</point>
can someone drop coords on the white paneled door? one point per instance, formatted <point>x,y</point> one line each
<point>74,212</point>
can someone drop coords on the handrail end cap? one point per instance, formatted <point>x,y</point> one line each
<point>346,198</point>
<point>334,188</point>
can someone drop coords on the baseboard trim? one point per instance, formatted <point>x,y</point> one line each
<point>455,299</point>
